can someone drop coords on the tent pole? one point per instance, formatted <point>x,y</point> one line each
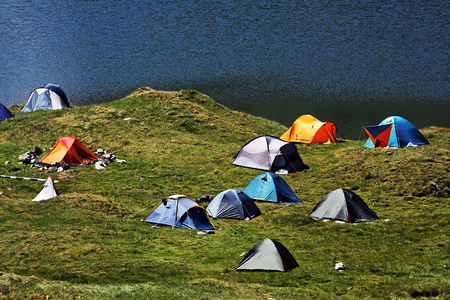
<point>26,178</point>
<point>176,214</point>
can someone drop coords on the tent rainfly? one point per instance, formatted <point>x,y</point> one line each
<point>268,255</point>
<point>49,191</point>
<point>271,154</point>
<point>271,187</point>
<point>343,205</point>
<point>233,204</point>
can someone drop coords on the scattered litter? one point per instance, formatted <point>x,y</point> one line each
<point>30,156</point>
<point>243,254</point>
<point>127,119</point>
<point>154,226</point>
<point>282,171</point>
<point>435,185</point>
<point>203,232</point>
<point>204,198</point>
<point>339,266</point>
<point>386,220</point>
<point>105,158</point>
<point>7,162</point>
<point>100,165</point>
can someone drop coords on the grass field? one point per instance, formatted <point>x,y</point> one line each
<point>90,243</point>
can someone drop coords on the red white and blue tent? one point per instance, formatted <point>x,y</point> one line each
<point>394,132</point>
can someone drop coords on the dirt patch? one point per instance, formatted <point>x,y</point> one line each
<point>66,175</point>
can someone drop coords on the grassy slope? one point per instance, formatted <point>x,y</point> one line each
<point>89,242</point>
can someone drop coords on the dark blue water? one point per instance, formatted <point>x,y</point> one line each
<point>351,62</point>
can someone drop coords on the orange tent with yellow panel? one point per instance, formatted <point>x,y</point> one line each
<point>71,151</point>
<point>307,129</point>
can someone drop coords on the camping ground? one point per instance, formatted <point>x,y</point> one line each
<point>90,243</point>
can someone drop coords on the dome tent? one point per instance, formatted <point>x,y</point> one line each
<point>271,154</point>
<point>308,129</point>
<point>343,205</point>
<point>271,187</point>
<point>233,204</point>
<point>268,255</point>
<point>49,96</point>
<point>394,132</point>
<point>180,211</point>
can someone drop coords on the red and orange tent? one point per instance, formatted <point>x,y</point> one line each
<point>307,129</point>
<point>71,151</point>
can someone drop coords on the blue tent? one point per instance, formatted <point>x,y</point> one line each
<point>394,132</point>
<point>233,204</point>
<point>180,211</point>
<point>5,113</point>
<point>271,187</point>
<point>47,97</point>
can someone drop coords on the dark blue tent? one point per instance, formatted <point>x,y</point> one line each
<point>47,97</point>
<point>180,211</point>
<point>271,187</point>
<point>5,113</point>
<point>394,132</point>
<point>233,204</point>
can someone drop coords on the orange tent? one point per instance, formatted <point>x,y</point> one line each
<point>307,129</point>
<point>71,151</point>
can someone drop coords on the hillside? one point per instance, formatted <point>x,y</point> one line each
<point>90,243</point>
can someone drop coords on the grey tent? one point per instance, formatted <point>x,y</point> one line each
<point>268,255</point>
<point>233,204</point>
<point>343,205</point>
<point>271,154</point>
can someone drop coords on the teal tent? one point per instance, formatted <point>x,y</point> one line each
<point>271,187</point>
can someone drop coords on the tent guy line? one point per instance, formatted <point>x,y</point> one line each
<point>26,178</point>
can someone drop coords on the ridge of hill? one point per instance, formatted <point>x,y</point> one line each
<point>89,242</point>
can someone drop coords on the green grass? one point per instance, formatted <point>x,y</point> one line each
<point>90,243</point>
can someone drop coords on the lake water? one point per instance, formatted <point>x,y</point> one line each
<point>350,62</point>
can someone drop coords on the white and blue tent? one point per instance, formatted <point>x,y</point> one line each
<point>271,187</point>
<point>47,97</point>
<point>233,204</point>
<point>5,113</point>
<point>180,211</point>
